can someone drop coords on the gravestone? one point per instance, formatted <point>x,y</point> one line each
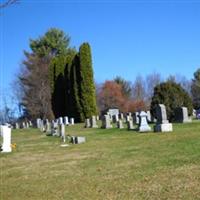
<point>143,125</point>
<point>16,125</point>
<point>30,124</point>
<point>128,118</point>
<point>66,120</point>
<point>48,127</point>
<point>162,124</point>
<point>120,124</point>
<point>38,122</point>
<point>97,117</point>
<point>27,124</point>
<point>72,121</point>
<point>115,118</point>
<point>149,117</point>
<point>60,120</point>
<point>54,129</point>
<point>87,123</point>
<point>6,134</point>
<point>113,111</point>
<point>94,122</point>
<point>181,115</point>
<point>136,118</point>
<point>106,122</point>
<point>130,125</point>
<point>121,116</point>
<point>62,131</point>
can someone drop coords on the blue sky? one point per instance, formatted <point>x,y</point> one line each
<point>127,37</point>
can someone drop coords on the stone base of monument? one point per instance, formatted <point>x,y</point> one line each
<point>163,127</point>
<point>143,129</point>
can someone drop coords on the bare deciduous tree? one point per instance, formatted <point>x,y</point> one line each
<point>34,83</point>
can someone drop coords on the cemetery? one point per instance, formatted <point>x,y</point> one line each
<point>75,157</point>
<point>106,108</point>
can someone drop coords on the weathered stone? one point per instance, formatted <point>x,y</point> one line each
<point>162,124</point>
<point>181,115</point>
<point>130,125</point>
<point>120,124</point>
<point>106,122</point>
<point>60,120</point>
<point>143,125</point>
<point>6,134</point>
<point>87,123</point>
<point>136,118</point>
<point>72,121</point>
<point>66,120</point>
<point>94,122</point>
<point>115,118</point>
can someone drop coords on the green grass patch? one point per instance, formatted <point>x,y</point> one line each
<point>113,164</point>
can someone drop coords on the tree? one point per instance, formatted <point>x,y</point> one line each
<point>36,87</point>
<point>53,43</point>
<point>139,89</point>
<point>126,86</point>
<point>111,96</point>
<point>86,81</point>
<point>43,78</point>
<point>7,3</point>
<point>195,89</point>
<point>151,81</point>
<point>172,95</point>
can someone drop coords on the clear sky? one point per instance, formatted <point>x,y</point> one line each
<point>127,37</point>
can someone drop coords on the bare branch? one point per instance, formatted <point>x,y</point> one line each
<point>8,3</point>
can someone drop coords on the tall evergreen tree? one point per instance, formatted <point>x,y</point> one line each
<point>86,81</point>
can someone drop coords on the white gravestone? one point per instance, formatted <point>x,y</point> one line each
<point>6,134</point>
<point>60,120</point>
<point>72,121</point>
<point>106,122</point>
<point>87,123</point>
<point>66,120</point>
<point>143,125</point>
<point>94,122</point>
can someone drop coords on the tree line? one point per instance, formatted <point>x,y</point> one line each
<point>57,80</point>
<point>146,93</point>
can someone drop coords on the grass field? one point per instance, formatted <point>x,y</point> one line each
<point>112,164</point>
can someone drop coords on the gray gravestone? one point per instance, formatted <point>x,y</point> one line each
<point>181,115</point>
<point>115,118</point>
<point>130,125</point>
<point>16,125</point>
<point>121,116</point>
<point>143,125</point>
<point>136,118</point>
<point>120,124</point>
<point>162,124</point>
<point>106,122</point>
